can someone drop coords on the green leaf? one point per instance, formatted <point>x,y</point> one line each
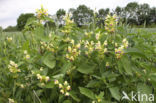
<point>144,89</point>
<point>67,101</point>
<point>126,65</point>
<point>135,51</point>
<point>87,92</point>
<point>115,93</point>
<point>50,84</point>
<point>86,68</point>
<point>65,67</point>
<point>73,95</point>
<point>49,60</point>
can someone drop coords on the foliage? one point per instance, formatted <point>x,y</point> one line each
<point>60,14</point>
<point>1,29</point>
<point>82,15</point>
<point>11,29</point>
<point>72,65</point>
<point>22,20</point>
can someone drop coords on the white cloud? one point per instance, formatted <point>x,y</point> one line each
<point>11,9</point>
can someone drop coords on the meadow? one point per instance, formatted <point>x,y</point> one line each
<point>74,65</point>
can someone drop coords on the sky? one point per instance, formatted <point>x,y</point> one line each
<point>11,9</point>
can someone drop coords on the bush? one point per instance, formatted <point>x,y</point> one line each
<point>11,29</point>
<point>72,65</point>
<point>1,29</point>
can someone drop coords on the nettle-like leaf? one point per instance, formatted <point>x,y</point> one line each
<point>49,60</point>
<point>144,89</point>
<point>87,92</point>
<point>86,68</point>
<point>74,96</point>
<point>115,93</point>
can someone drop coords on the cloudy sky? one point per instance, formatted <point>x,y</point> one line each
<point>11,9</point>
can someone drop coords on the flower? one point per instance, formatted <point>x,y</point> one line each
<point>67,94</point>
<point>105,43</point>
<point>41,69</point>
<point>97,36</point>
<point>99,100</point>
<point>98,45</point>
<point>62,91</point>
<point>50,35</point>
<point>78,45</point>
<point>47,79</point>
<point>60,85</point>
<point>22,86</point>
<point>11,100</point>
<point>105,50</point>
<point>56,82</point>
<point>72,41</point>
<point>27,56</point>
<point>65,83</point>
<point>68,87</point>
<point>25,52</point>
<point>107,64</point>
<point>9,39</point>
<point>69,49</point>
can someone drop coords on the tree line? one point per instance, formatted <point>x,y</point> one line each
<point>132,14</point>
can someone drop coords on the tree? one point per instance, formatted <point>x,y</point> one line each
<point>118,10</point>
<point>22,20</point>
<point>102,13</point>
<point>60,14</point>
<point>1,29</point>
<point>131,13</point>
<point>144,14</point>
<point>82,15</point>
<point>10,29</point>
<point>152,15</point>
<point>50,24</point>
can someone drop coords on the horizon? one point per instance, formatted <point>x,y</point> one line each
<point>8,17</point>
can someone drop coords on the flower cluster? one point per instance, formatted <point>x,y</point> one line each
<point>110,23</point>
<point>26,55</point>
<point>13,67</point>
<point>119,51</point>
<point>97,36</point>
<point>89,46</point>
<point>68,24</point>
<point>88,34</point>
<point>64,88</point>
<point>73,51</point>
<point>9,39</point>
<point>47,46</point>
<point>41,12</point>
<point>11,100</point>
<point>43,78</point>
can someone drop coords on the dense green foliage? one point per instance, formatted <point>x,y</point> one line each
<point>10,29</point>
<point>22,20</point>
<point>1,29</point>
<point>73,65</point>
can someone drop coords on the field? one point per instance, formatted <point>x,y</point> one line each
<point>74,65</point>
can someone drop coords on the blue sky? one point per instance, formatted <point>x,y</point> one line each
<point>11,9</point>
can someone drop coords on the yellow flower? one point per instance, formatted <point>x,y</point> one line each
<point>107,64</point>
<point>27,56</point>
<point>67,94</point>
<point>56,82</point>
<point>62,91</point>
<point>68,87</point>
<point>65,83</point>
<point>69,49</point>
<point>99,100</point>
<point>60,85</point>
<point>9,39</point>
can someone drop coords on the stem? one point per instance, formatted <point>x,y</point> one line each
<point>37,96</point>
